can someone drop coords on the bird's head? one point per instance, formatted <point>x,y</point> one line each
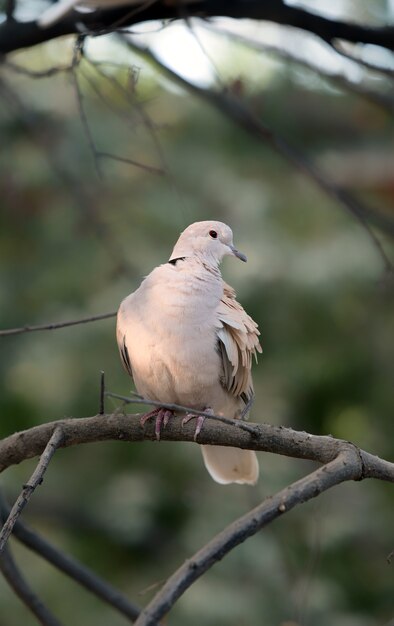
<point>210,241</point>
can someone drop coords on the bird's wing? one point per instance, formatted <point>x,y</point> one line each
<point>238,342</point>
<point>121,339</point>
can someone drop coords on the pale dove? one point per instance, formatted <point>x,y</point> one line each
<point>185,339</point>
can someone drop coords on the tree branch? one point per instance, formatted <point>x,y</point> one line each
<point>236,110</point>
<point>15,35</point>
<point>378,98</point>
<point>347,466</point>
<point>17,582</point>
<point>36,479</point>
<point>72,568</point>
<point>116,427</point>
<point>30,329</point>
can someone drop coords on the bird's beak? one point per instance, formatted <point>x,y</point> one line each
<point>238,254</point>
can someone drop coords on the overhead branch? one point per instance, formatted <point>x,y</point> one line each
<point>15,35</point>
<point>237,111</point>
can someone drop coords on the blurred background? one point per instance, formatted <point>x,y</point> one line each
<point>73,243</point>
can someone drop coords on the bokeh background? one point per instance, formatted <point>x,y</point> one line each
<point>74,244</point>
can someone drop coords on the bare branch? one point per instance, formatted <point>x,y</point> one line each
<point>377,98</point>
<point>236,110</point>
<point>336,45</point>
<point>29,329</point>
<point>119,427</point>
<point>132,100</point>
<point>102,393</point>
<point>143,166</point>
<point>72,568</point>
<point>47,73</point>
<point>28,489</point>
<point>15,35</point>
<point>78,52</point>
<point>346,466</point>
<point>137,399</point>
<point>17,582</point>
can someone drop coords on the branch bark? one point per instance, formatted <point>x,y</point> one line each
<point>341,460</point>
<point>36,479</point>
<point>116,427</point>
<point>15,35</point>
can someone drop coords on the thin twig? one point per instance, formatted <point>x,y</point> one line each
<point>29,329</point>
<point>28,489</point>
<point>336,45</point>
<point>22,589</point>
<point>85,124</point>
<point>82,199</point>
<point>72,568</point>
<point>345,467</point>
<point>339,80</point>
<point>183,409</point>
<point>102,393</point>
<point>48,73</point>
<point>236,110</point>
<point>132,99</point>
<point>107,155</point>
<point>148,168</point>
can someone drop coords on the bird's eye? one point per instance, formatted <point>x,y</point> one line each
<point>213,234</point>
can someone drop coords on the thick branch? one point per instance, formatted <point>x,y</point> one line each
<point>264,437</point>
<point>16,35</point>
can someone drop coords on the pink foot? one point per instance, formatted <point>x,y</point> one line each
<point>162,418</point>
<point>199,423</point>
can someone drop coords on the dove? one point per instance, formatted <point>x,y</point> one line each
<point>185,340</point>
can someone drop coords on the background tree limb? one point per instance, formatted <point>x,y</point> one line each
<point>15,35</point>
<point>347,466</point>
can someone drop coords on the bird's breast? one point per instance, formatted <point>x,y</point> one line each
<point>171,340</point>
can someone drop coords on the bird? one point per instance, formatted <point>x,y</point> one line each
<point>185,340</point>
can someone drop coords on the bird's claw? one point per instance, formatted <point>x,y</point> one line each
<point>162,418</point>
<point>200,419</point>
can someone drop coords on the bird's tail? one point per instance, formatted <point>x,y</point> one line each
<point>231,465</point>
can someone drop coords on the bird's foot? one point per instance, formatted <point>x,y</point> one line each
<point>162,418</point>
<point>199,423</point>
